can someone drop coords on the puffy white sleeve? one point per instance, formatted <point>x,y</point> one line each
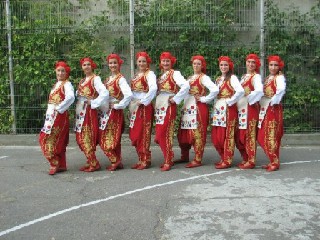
<point>127,94</point>
<point>69,98</point>
<point>184,87</point>
<point>239,91</point>
<point>213,89</point>
<point>257,93</point>
<point>281,90</point>
<point>152,83</point>
<point>102,91</point>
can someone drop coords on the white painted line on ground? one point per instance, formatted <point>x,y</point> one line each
<point>13,229</point>
<point>295,162</point>
<point>1,157</point>
<point>104,200</point>
<point>25,147</point>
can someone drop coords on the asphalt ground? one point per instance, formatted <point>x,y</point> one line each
<point>199,203</point>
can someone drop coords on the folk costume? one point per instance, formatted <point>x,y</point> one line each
<point>144,89</point>
<point>270,126</point>
<point>86,126</point>
<point>54,136</point>
<point>195,115</point>
<point>225,114</point>
<point>248,114</point>
<point>172,88</point>
<point>111,121</point>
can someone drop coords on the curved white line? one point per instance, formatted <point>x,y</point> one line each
<point>104,200</point>
<point>13,229</point>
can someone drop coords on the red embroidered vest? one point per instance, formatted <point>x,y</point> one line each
<point>140,84</point>
<point>196,87</point>
<point>270,87</point>
<point>88,89</point>
<point>167,84</point>
<point>113,87</point>
<point>58,95</point>
<point>225,90</point>
<point>248,85</point>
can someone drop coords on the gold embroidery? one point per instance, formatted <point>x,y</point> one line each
<point>87,138</point>
<point>51,144</point>
<point>245,84</point>
<point>55,97</point>
<point>247,90</point>
<point>166,86</point>
<point>271,136</point>
<point>251,146</point>
<point>225,90</point>
<point>111,90</point>
<point>269,85</point>
<point>110,139</point>
<point>230,142</point>
<point>88,89</point>
<point>194,90</point>
<point>136,83</point>
<point>169,137</point>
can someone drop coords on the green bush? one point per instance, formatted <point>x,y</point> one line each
<point>179,26</point>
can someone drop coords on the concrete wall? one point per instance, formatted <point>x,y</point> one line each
<point>303,5</point>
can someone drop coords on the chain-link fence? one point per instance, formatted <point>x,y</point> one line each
<point>45,31</point>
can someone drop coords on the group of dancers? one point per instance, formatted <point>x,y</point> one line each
<point>244,112</point>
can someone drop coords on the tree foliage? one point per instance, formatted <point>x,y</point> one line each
<point>184,27</point>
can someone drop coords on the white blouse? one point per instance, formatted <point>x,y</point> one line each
<point>183,85</point>
<point>257,93</point>
<point>102,91</point>
<point>146,98</point>
<point>127,95</point>
<point>69,96</point>
<point>281,90</point>
<point>239,91</point>
<point>213,89</point>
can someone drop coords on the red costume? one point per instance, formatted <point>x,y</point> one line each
<point>248,112</point>
<point>54,145</point>
<point>164,131</point>
<point>246,138</point>
<point>54,136</point>
<point>140,133</point>
<point>172,88</point>
<point>223,137</point>
<point>195,137</point>
<point>271,131</point>
<point>270,127</point>
<point>195,113</point>
<point>225,114</point>
<point>110,136</point>
<point>87,136</point>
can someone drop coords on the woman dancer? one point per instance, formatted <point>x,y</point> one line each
<point>224,116</point>
<point>169,95</point>
<point>248,112</point>
<point>111,122</point>
<point>270,126</point>
<point>91,94</point>
<point>195,113</point>
<point>144,89</point>
<point>54,136</point>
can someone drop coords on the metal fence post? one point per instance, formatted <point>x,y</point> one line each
<point>12,105</point>
<point>131,9</point>
<point>262,52</point>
